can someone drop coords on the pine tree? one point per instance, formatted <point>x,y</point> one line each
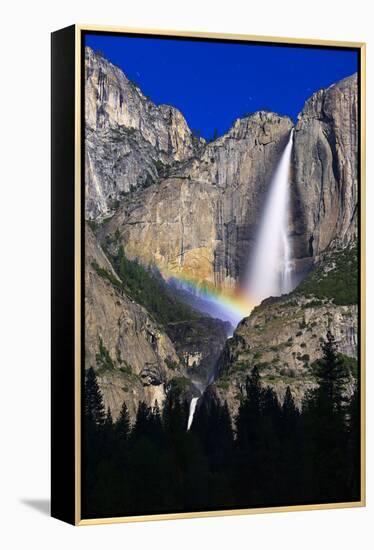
<point>248,421</point>
<point>267,453</point>
<point>122,425</point>
<point>249,442</point>
<point>93,400</point>
<point>332,373</point>
<point>290,466</point>
<point>225,442</point>
<point>226,426</point>
<point>109,419</point>
<point>270,406</point>
<point>174,415</point>
<point>107,434</point>
<point>94,436</point>
<point>254,389</point>
<point>143,421</point>
<point>290,414</point>
<point>353,444</point>
<point>325,428</point>
<point>157,428</point>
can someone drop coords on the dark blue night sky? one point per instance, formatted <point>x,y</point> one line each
<point>214,83</point>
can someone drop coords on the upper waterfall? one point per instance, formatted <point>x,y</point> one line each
<point>270,267</point>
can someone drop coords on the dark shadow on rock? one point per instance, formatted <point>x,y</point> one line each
<point>41,505</point>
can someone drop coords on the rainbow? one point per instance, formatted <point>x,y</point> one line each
<point>231,304</point>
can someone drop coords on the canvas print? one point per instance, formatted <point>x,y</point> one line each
<point>221,275</point>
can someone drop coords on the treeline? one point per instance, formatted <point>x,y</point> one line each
<point>146,287</point>
<point>274,455</point>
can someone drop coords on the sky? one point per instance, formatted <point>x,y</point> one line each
<point>213,83</point>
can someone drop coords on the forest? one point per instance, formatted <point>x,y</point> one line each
<point>270,454</point>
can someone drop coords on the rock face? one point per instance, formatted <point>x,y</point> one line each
<point>129,140</point>
<point>201,221</point>
<point>163,225</point>
<point>325,165</point>
<point>199,344</point>
<point>283,337</point>
<point>130,352</point>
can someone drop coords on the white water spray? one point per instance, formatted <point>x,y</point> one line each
<point>193,403</point>
<point>270,270</point>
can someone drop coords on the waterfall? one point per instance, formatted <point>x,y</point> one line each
<point>193,403</point>
<point>270,269</point>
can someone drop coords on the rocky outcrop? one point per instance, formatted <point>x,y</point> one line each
<point>130,141</point>
<point>284,336</point>
<point>134,358</point>
<point>283,339</point>
<point>325,170</point>
<point>199,345</point>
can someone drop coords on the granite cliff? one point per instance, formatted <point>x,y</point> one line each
<point>129,140</point>
<point>325,171</point>
<point>131,353</point>
<point>200,222</point>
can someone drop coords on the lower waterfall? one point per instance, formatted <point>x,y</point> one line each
<point>193,404</point>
